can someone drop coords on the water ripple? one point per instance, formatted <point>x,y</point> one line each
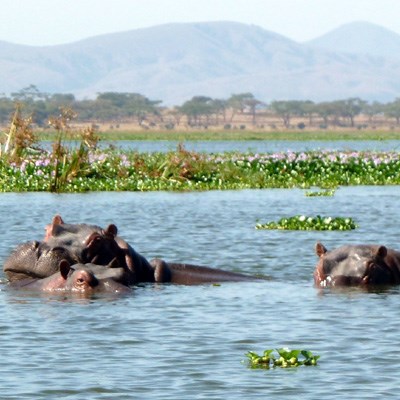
<point>168,342</point>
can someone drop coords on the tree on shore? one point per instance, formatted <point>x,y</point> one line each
<point>350,108</point>
<point>199,111</point>
<point>392,110</point>
<point>286,110</point>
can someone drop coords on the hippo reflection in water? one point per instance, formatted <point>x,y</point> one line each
<point>357,265</point>
<point>91,244</point>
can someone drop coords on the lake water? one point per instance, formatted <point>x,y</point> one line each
<point>260,146</point>
<point>181,342</point>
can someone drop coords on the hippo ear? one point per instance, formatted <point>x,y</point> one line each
<point>381,252</point>
<point>93,240</point>
<point>57,220</point>
<point>111,230</point>
<point>51,229</point>
<point>64,268</point>
<point>320,249</point>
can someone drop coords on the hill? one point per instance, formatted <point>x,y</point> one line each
<point>361,38</point>
<point>174,62</point>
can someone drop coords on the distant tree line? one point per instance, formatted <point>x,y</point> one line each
<point>200,111</point>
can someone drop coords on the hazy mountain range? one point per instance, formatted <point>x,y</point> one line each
<point>175,62</point>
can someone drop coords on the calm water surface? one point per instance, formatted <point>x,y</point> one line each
<point>181,342</point>
<point>255,146</point>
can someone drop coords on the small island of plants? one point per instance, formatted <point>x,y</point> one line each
<point>285,358</point>
<point>304,223</point>
<point>320,193</point>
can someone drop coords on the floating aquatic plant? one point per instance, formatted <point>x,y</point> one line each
<point>285,358</point>
<point>321,193</point>
<point>304,223</point>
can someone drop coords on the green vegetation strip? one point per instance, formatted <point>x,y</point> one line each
<point>286,358</point>
<point>304,223</point>
<point>245,135</point>
<point>81,170</point>
<point>82,166</point>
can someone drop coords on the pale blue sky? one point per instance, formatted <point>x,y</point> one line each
<point>49,22</point>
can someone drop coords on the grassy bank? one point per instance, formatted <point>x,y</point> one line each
<point>206,135</point>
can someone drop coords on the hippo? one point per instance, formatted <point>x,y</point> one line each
<point>359,265</point>
<point>85,243</point>
<point>79,278</point>
<point>79,243</point>
<point>139,269</point>
<point>93,244</point>
<point>37,260</point>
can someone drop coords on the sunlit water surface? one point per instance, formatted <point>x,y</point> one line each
<point>259,146</point>
<point>189,342</point>
<point>253,146</point>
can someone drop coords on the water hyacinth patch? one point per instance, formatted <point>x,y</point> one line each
<point>285,358</point>
<point>322,168</point>
<point>93,169</point>
<point>321,193</point>
<point>304,223</point>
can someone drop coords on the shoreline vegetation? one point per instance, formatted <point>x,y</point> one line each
<point>133,116</point>
<point>24,166</point>
<point>220,135</point>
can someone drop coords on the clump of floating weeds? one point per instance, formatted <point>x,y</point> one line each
<point>321,193</point>
<point>285,358</point>
<point>304,223</point>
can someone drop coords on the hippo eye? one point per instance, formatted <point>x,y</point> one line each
<point>80,281</point>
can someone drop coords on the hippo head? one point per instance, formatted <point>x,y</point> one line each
<point>85,243</point>
<point>34,259</point>
<point>77,279</point>
<point>352,265</point>
<point>81,278</point>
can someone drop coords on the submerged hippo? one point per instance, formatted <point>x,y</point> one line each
<point>139,269</point>
<point>357,265</point>
<point>93,244</point>
<point>76,243</point>
<point>84,243</point>
<point>79,278</point>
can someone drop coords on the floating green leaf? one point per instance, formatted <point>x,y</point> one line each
<point>310,358</point>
